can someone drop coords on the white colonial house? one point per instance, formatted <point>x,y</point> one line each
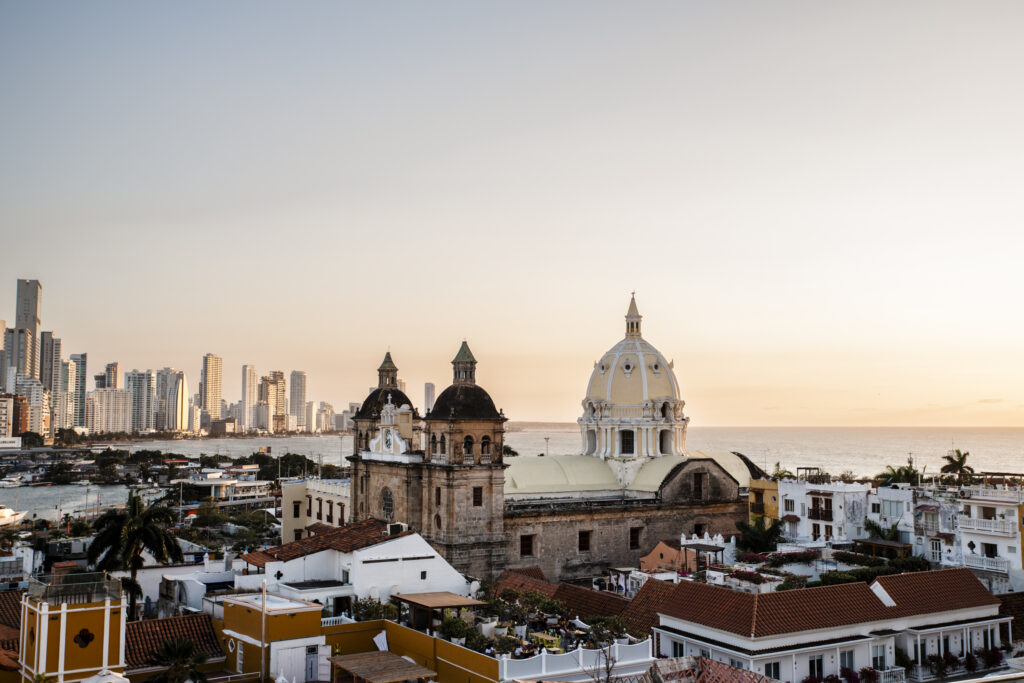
<point>822,512</point>
<point>814,632</point>
<point>337,565</point>
<point>990,526</point>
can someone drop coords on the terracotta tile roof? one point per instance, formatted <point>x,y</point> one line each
<point>344,539</point>
<point>641,612</point>
<point>320,528</point>
<point>583,602</point>
<point>8,659</point>
<point>521,583</point>
<point>671,543</point>
<point>922,592</point>
<point>534,572</point>
<point>144,637</point>
<point>701,670</point>
<point>808,609</point>
<point>10,608</point>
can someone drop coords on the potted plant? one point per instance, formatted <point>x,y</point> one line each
<point>455,630</point>
<point>500,629</point>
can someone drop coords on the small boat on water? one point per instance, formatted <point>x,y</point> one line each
<point>9,516</point>
<point>11,481</point>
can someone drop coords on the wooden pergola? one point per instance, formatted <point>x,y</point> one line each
<point>423,605</point>
<point>377,667</point>
<point>877,547</point>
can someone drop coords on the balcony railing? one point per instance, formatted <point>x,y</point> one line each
<point>820,514</point>
<point>896,674</point>
<point>757,508</point>
<point>992,564</point>
<point>74,589</point>
<point>986,493</point>
<point>926,528</point>
<point>1003,527</point>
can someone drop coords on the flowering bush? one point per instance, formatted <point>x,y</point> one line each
<point>802,557</point>
<point>849,675</point>
<point>991,657</point>
<point>811,679</point>
<point>857,558</point>
<point>868,675</point>
<point>750,577</point>
<point>971,662</point>
<point>752,558</point>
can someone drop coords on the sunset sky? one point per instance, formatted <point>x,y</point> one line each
<point>819,205</point>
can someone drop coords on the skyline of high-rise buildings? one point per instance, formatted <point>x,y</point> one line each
<point>53,392</point>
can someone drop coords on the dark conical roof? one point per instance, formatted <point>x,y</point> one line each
<point>464,355</point>
<point>387,364</point>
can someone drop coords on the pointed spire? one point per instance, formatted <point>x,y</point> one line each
<point>387,373</point>
<point>464,366</point>
<point>633,318</point>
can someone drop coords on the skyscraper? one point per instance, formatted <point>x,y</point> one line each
<point>298,399</point>
<point>21,351</point>
<point>30,294</point>
<point>428,397</point>
<point>62,401</point>
<point>50,350</point>
<point>210,388</point>
<point>165,378</point>
<point>112,374</point>
<point>178,404</point>
<point>142,385</point>
<point>250,390</point>
<point>81,372</point>
<point>273,393</point>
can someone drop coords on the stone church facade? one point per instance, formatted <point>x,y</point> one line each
<point>632,484</point>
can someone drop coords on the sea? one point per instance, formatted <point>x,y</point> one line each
<point>863,450</point>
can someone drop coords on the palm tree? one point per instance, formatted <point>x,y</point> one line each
<point>781,473</point>
<point>876,530</point>
<point>122,536</point>
<point>181,660</point>
<point>956,463</point>
<point>756,537</point>
<point>904,474</point>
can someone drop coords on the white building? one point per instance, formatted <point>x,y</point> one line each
<point>236,485</point>
<point>990,522</point>
<point>6,415</point>
<point>38,403</point>
<point>817,632</point>
<point>142,385</point>
<point>366,559</point>
<point>108,411</point>
<point>250,387</point>
<point>822,512</point>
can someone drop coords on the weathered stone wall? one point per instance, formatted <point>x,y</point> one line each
<point>556,533</point>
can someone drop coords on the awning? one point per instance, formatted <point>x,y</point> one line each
<point>381,667</point>
<point>790,518</point>
<point>437,600</point>
<point>927,508</point>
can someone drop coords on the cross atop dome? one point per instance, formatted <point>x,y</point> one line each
<point>633,318</point>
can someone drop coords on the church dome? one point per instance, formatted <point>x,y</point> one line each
<point>378,398</point>
<point>633,404</point>
<point>464,399</point>
<point>464,402</point>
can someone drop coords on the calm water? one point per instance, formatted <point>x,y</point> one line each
<point>864,450</point>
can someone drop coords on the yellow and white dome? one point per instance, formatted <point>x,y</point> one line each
<point>633,407</point>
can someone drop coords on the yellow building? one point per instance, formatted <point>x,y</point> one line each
<point>763,500</point>
<point>275,636</point>
<point>72,627</point>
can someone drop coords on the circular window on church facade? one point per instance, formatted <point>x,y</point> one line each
<point>387,504</point>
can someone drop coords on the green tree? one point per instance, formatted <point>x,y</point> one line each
<point>59,473</point>
<point>508,452</point>
<point>31,440</point>
<point>122,536</point>
<point>756,537</point>
<point>181,662</point>
<point>956,464</point>
<point>876,530</point>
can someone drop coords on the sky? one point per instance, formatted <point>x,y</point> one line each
<point>818,205</point>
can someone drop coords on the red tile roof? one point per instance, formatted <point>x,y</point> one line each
<point>808,609</point>
<point>534,572</point>
<point>582,603</point>
<point>344,539</point>
<point>10,608</point>
<point>642,611</point>
<point>144,637</point>
<point>948,589</point>
<point>522,583</point>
